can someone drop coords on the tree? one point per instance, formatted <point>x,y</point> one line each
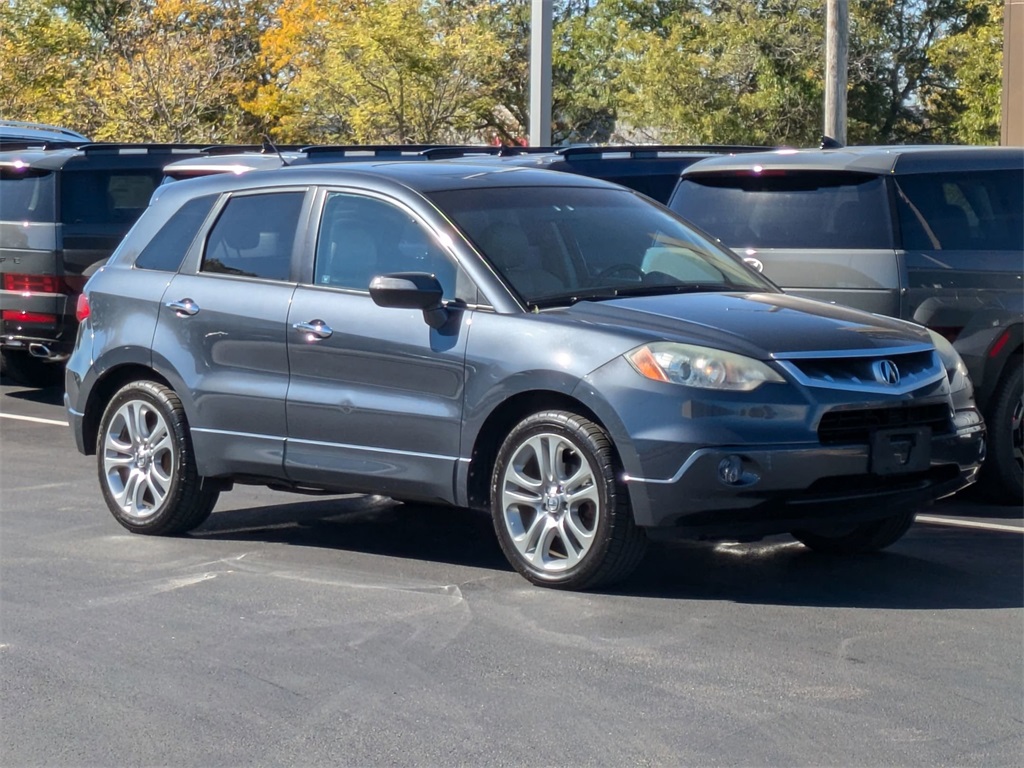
<point>172,70</point>
<point>966,108</point>
<point>41,62</point>
<point>727,72</point>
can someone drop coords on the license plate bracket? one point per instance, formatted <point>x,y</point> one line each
<point>901,451</point>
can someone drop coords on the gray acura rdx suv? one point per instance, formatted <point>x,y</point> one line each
<point>556,350</point>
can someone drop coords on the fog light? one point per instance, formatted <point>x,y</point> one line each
<point>967,422</point>
<point>730,470</point>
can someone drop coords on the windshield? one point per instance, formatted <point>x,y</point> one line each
<point>557,245</point>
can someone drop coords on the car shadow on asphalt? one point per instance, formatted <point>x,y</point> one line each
<point>46,396</point>
<point>932,568</point>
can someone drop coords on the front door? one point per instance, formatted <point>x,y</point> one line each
<point>376,395</point>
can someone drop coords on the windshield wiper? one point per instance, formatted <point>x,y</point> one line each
<point>607,294</point>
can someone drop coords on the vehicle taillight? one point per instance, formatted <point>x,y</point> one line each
<point>32,283</point>
<point>82,307</point>
<point>20,316</point>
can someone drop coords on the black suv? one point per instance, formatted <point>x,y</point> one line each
<point>933,234</point>
<point>62,211</point>
<point>652,169</point>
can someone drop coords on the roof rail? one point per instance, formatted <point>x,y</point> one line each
<point>653,150</point>
<point>444,153</point>
<point>96,147</point>
<point>14,145</point>
<point>43,127</point>
<point>237,149</point>
<point>369,149</point>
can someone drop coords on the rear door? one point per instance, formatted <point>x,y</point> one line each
<point>376,394</point>
<point>221,329</point>
<point>821,234</point>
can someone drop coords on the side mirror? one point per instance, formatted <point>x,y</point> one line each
<point>411,290</point>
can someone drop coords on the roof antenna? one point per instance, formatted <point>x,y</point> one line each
<point>827,142</point>
<point>269,146</point>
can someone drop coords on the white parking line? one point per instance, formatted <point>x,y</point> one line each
<point>33,419</point>
<point>969,524</point>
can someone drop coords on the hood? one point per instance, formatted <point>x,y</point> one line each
<point>757,324</point>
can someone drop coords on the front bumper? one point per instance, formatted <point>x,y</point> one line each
<point>784,488</point>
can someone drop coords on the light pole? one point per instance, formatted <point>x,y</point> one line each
<point>837,24</point>
<point>540,73</point>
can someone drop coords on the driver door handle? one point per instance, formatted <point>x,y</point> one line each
<point>314,329</point>
<point>183,307</point>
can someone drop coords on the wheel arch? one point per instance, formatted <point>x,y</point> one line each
<point>500,422</point>
<point>104,389</point>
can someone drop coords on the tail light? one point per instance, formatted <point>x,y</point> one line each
<point>21,316</point>
<point>32,283</point>
<point>82,308</point>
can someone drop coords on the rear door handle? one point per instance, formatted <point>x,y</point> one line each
<point>314,329</point>
<point>183,307</point>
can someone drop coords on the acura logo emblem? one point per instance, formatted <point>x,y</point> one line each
<point>886,372</point>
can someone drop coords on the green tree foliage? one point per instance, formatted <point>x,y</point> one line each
<point>723,71</point>
<point>40,62</point>
<point>737,72</point>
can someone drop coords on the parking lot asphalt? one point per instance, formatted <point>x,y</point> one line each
<point>357,631</point>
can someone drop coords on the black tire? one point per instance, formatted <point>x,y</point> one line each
<point>1003,471</point>
<point>144,455</point>
<point>551,539</point>
<point>865,537</point>
<point>21,368</point>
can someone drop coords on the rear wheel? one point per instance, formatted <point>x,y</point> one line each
<point>865,537</point>
<point>561,513</point>
<point>146,467</point>
<point>21,368</point>
<point>1004,467</point>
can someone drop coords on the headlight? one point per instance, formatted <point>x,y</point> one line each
<point>700,367</point>
<point>956,371</point>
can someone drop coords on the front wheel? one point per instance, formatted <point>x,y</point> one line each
<point>146,468</point>
<point>560,511</point>
<point>865,537</point>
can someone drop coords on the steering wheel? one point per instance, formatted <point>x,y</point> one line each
<point>621,267</point>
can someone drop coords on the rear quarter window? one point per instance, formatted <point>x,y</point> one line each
<point>788,209</point>
<point>972,210</point>
<point>167,249</point>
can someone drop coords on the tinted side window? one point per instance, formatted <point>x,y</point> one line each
<point>975,210</point>
<point>167,248</point>
<point>26,194</point>
<point>361,237</point>
<point>97,196</point>
<point>788,209</point>
<point>255,236</point>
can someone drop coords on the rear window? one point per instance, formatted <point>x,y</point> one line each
<point>106,197</point>
<point>974,210</point>
<point>26,194</point>
<point>788,210</point>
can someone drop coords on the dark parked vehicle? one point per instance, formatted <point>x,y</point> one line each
<point>929,234</point>
<point>559,351</point>
<point>17,134</point>
<point>63,211</point>
<point>649,168</point>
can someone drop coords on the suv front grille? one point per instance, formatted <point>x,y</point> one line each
<point>859,370</point>
<point>843,427</point>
